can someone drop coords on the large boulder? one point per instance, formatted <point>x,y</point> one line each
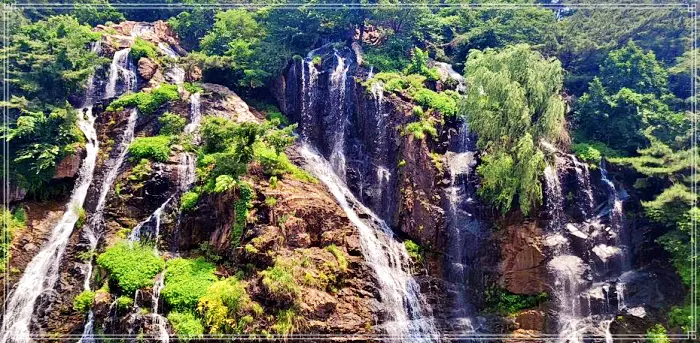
<point>147,68</point>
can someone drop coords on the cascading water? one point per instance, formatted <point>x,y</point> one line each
<point>41,273</point>
<point>399,292</point>
<point>338,81</point>
<point>121,69</point>
<point>309,79</point>
<point>465,233</point>
<point>588,258</point>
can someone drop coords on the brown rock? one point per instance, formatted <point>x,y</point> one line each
<point>530,320</point>
<point>147,68</point>
<point>523,265</point>
<point>69,166</point>
<point>227,104</point>
<point>193,74</point>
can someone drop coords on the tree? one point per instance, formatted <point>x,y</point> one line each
<point>51,59</point>
<point>513,102</point>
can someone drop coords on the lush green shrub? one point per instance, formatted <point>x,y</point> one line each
<point>146,102</point>
<point>193,87</point>
<point>499,300</point>
<point>143,48</point>
<point>10,223</point>
<point>414,250</point>
<point>278,164</point>
<point>226,307</point>
<point>188,201</point>
<point>419,129</point>
<point>657,334</point>
<point>131,267</point>
<point>156,148</point>
<point>124,302</point>
<point>82,217</point>
<point>185,325</point>
<point>224,183</point>
<point>83,301</point>
<point>419,65</point>
<point>171,124</point>
<point>186,280</point>
<point>279,281</point>
<point>441,102</point>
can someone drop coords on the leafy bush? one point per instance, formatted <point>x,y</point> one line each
<point>419,65</point>
<point>185,325</point>
<point>420,128</point>
<point>188,201</point>
<point>241,207</point>
<point>499,300</point>
<point>657,334</point>
<point>82,217</point>
<point>441,102</point>
<point>414,250</point>
<point>186,280</point>
<point>130,267</point>
<point>124,302</point>
<point>171,124</point>
<point>193,87</point>
<point>10,223</point>
<point>143,48</point>
<point>156,148</point>
<point>146,102</point>
<point>83,301</point>
<point>279,281</point>
<point>226,307</point>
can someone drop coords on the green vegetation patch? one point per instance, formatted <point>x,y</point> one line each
<point>414,250</point>
<point>185,325</point>
<point>226,307</point>
<point>499,300</point>
<point>10,225</point>
<point>146,102</point>
<point>186,280</point>
<point>143,48</point>
<point>171,124</point>
<point>83,301</point>
<point>131,267</point>
<point>156,148</point>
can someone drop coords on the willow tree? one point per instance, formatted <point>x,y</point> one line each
<point>513,102</point>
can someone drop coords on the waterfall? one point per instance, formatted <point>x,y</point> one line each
<point>338,81</point>
<point>589,259</point>
<point>121,69</point>
<point>399,292</point>
<point>465,233</point>
<point>135,235</point>
<point>168,50</point>
<point>309,79</point>
<point>140,29</point>
<point>41,273</point>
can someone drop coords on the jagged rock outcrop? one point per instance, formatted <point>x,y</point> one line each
<point>523,261</point>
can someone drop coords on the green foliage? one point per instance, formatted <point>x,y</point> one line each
<point>130,267</point>
<point>226,307</point>
<point>192,87</point>
<point>419,129</point>
<point>51,59</point>
<point>186,280</point>
<point>629,67</point>
<point>37,141</point>
<point>593,151</point>
<point>414,250</point>
<point>10,223</point>
<point>241,207</point>
<point>143,48</point>
<point>339,256</point>
<point>388,57</point>
<point>124,302</point>
<point>185,325</point>
<point>279,281</point>
<point>419,65</point>
<point>499,300</point>
<point>156,148</point>
<point>83,301</point>
<point>285,322</point>
<point>87,13</point>
<point>441,102</point>
<point>657,334</point>
<point>171,124</point>
<point>188,201</point>
<point>141,171</point>
<point>146,102</point>
<point>82,217</point>
<point>513,102</point>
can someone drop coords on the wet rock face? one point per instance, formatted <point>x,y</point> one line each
<point>68,167</point>
<point>523,263</point>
